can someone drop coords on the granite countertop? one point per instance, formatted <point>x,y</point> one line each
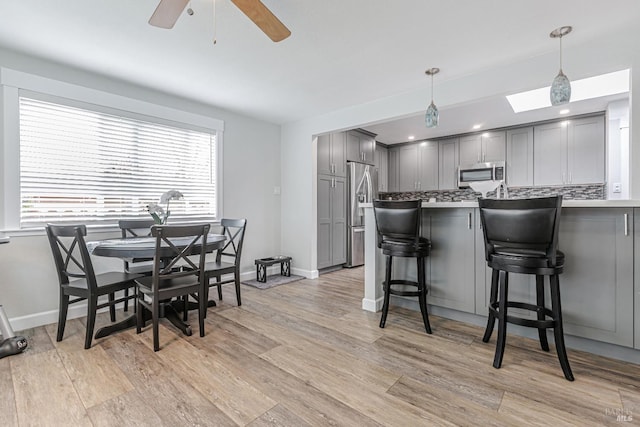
<point>565,204</point>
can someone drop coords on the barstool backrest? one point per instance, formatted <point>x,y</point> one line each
<point>397,220</point>
<point>530,224</point>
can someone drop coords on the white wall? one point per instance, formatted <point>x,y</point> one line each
<point>607,53</point>
<point>251,170</point>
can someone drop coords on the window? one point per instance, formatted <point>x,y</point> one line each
<point>82,164</point>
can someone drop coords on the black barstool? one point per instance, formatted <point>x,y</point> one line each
<point>398,225</point>
<point>521,236</point>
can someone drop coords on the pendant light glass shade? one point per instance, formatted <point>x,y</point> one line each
<point>432,115</point>
<point>560,92</point>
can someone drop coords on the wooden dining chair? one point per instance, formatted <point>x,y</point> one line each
<point>131,228</point>
<point>167,281</point>
<point>228,258</point>
<point>78,279</point>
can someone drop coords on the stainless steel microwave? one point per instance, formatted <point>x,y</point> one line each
<point>490,171</point>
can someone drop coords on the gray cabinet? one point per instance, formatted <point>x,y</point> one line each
<point>332,154</point>
<point>569,152</point>
<point>486,147</point>
<point>393,170</point>
<point>418,166</point>
<point>360,147</point>
<point>448,164</point>
<point>332,224</point>
<point>519,160</point>
<point>636,283</point>
<point>382,166</point>
<point>450,263</point>
<point>597,283</point>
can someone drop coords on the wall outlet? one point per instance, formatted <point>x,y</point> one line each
<point>617,187</point>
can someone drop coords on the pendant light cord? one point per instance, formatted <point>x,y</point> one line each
<point>432,88</point>
<point>215,25</point>
<point>560,52</point>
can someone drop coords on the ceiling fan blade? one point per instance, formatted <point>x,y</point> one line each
<point>263,18</point>
<point>167,13</point>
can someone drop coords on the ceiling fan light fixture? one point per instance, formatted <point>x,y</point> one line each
<point>432,116</point>
<point>560,92</point>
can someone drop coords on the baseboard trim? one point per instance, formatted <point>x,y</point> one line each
<point>373,305</point>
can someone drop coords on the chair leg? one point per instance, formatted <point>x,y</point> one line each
<point>202,311</point>
<point>218,279</point>
<point>558,332</point>
<point>422,296</point>
<point>112,307</point>
<point>185,308</point>
<point>542,332</point>
<point>237,280</point>
<point>155,318</point>
<point>493,298</point>
<point>126,301</point>
<point>62,314</point>
<point>92,304</point>
<point>387,289</point>
<point>139,317</point>
<point>502,319</point>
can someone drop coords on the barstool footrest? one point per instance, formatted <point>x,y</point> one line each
<point>404,293</point>
<point>539,324</point>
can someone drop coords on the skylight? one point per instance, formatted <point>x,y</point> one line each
<point>592,87</point>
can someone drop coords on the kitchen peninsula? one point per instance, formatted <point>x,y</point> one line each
<point>599,293</point>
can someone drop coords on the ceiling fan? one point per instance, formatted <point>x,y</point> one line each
<point>168,12</point>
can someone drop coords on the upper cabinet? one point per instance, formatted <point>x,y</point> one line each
<point>360,147</point>
<point>569,152</point>
<point>382,166</point>
<point>332,152</point>
<point>448,164</point>
<point>418,166</point>
<point>519,159</point>
<point>393,170</point>
<point>486,147</point>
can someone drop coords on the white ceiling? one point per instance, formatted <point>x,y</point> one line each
<point>341,52</point>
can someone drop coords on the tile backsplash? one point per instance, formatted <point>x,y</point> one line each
<point>569,192</point>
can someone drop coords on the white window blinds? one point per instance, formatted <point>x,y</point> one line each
<point>79,165</point>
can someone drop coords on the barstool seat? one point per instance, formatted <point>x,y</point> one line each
<point>521,236</point>
<point>398,226</point>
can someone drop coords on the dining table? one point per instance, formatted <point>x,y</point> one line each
<point>145,248</point>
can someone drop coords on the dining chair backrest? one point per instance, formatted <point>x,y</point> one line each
<point>169,257</point>
<point>531,224</point>
<point>135,227</point>
<point>233,230</point>
<point>70,253</point>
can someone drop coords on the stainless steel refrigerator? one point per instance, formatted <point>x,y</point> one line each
<point>362,187</point>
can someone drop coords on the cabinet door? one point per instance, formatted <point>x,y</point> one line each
<point>586,147</point>
<point>324,155</point>
<point>597,283</point>
<point>382,164</point>
<point>353,147</point>
<point>428,165</point>
<point>408,171</point>
<point>324,193</point>
<point>339,153</point>
<point>448,164</point>
<point>470,150</point>
<point>550,154</point>
<point>493,147</point>
<point>339,221</point>
<point>451,275</point>
<point>367,148</point>
<point>520,157</point>
<point>636,284</point>
<point>394,169</point>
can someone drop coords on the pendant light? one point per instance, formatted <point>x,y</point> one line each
<point>431,116</point>
<point>560,88</point>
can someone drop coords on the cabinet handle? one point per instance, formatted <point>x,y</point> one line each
<point>626,224</point>
<point>484,157</point>
<point>469,220</point>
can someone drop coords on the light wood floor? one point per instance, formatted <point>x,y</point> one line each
<point>305,354</point>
